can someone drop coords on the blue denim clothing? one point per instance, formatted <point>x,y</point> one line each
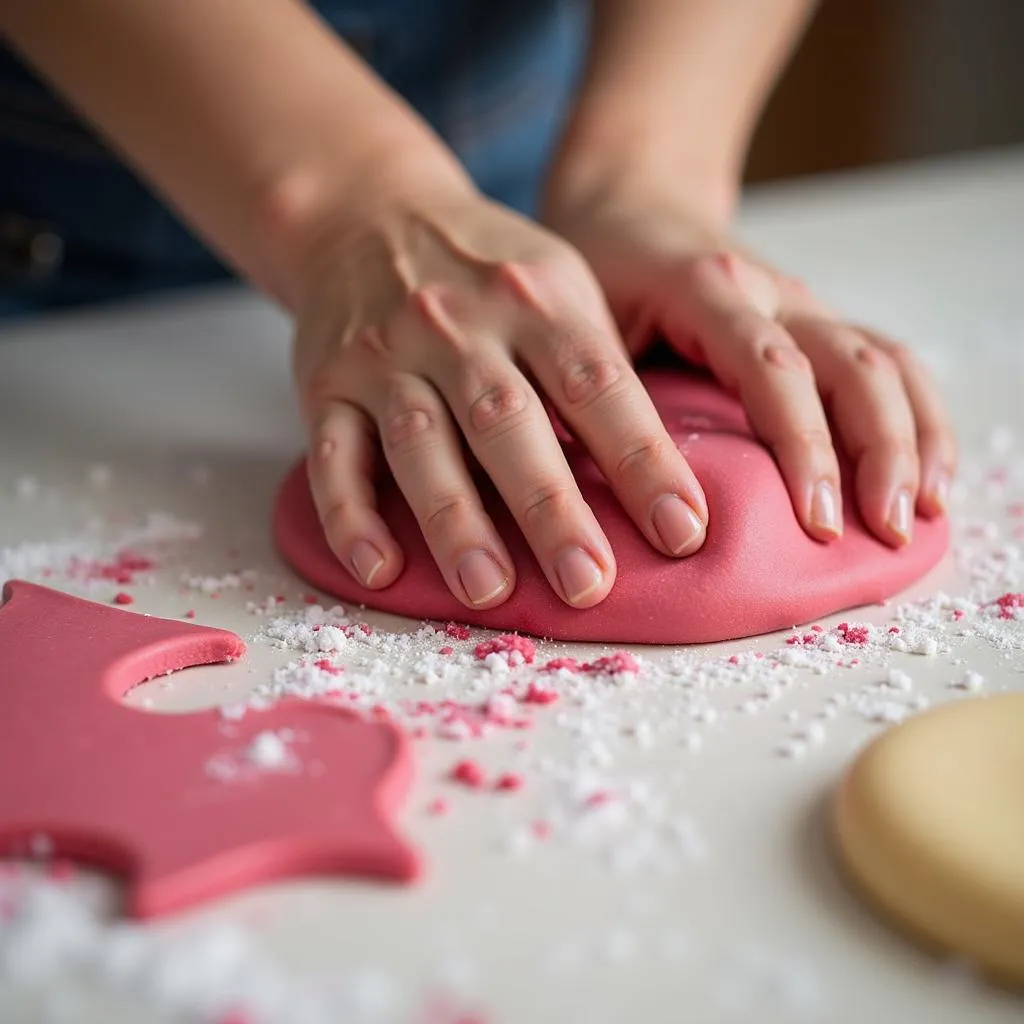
<point>493,77</point>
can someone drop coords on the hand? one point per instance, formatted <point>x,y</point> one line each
<point>667,271</point>
<point>420,317</point>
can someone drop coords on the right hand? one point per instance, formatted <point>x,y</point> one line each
<point>419,316</point>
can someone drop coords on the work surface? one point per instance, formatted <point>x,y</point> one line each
<point>667,857</point>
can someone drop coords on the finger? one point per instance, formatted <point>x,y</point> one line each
<point>422,448</point>
<point>872,413</point>
<point>504,423</point>
<point>594,387</point>
<point>936,444</point>
<point>340,463</point>
<point>714,316</point>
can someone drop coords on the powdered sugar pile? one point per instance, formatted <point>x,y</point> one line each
<point>57,940</point>
<point>93,561</point>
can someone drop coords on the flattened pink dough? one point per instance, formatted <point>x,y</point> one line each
<point>757,572</point>
<point>131,791</point>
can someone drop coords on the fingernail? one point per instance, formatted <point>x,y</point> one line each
<point>940,490</point>
<point>578,573</point>
<point>901,513</point>
<point>366,560</point>
<point>678,526</point>
<point>481,577</point>
<point>825,508</point>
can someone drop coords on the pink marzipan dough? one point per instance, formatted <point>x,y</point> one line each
<point>757,572</point>
<point>132,792</point>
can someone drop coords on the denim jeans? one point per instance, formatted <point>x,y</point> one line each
<point>493,77</point>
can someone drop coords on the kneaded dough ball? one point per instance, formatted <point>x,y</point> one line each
<point>930,825</point>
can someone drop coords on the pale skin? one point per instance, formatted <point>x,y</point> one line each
<point>431,322</point>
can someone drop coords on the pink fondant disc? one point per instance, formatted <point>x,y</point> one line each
<point>757,572</point>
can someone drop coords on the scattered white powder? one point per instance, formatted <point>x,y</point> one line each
<point>218,584</point>
<point>898,679</point>
<point>269,750</point>
<point>972,682</point>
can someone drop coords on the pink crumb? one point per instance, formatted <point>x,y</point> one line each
<point>456,631</point>
<point>538,695</point>
<point>325,666</point>
<point>446,651</point>
<point>599,798</point>
<point>1008,603</point>
<point>122,598</point>
<point>853,634</point>
<point>190,614</point>
<point>612,664</point>
<point>507,643</point>
<point>438,807</point>
<point>509,782</point>
<point>469,773</point>
<point>309,599</point>
<point>559,664</point>
<point>541,829</point>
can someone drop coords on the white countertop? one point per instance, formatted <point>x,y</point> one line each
<point>185,406</point>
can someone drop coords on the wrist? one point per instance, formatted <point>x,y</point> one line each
<point>594,166</point>
<point>317,204</point>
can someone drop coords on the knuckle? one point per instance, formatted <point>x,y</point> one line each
<point>339,517</point>
<point>550,499</point>
<point>641,456</point>
<point>409,419</point>
<point>806,439</point>
<point>875,360</point>
<point>787,356</point>
<point>444,512</point>
<point>587,379</point>
<point>496,405</point>
<point>760,339</point>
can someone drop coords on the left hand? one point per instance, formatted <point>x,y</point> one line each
<point>667,271</point>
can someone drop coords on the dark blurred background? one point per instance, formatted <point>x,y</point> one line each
<point>877,81</point>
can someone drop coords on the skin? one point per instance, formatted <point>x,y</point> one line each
<point>433,327</point>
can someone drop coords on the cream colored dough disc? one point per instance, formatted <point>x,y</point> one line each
<point>930,825</point>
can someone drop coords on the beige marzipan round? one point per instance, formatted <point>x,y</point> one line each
<point>930,825</point>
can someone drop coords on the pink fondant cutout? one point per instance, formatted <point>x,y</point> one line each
<point>133,792</point>
<point>758,571</point>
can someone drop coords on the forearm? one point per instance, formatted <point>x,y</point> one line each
<point>252,119</point>
<point>678,85</point>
